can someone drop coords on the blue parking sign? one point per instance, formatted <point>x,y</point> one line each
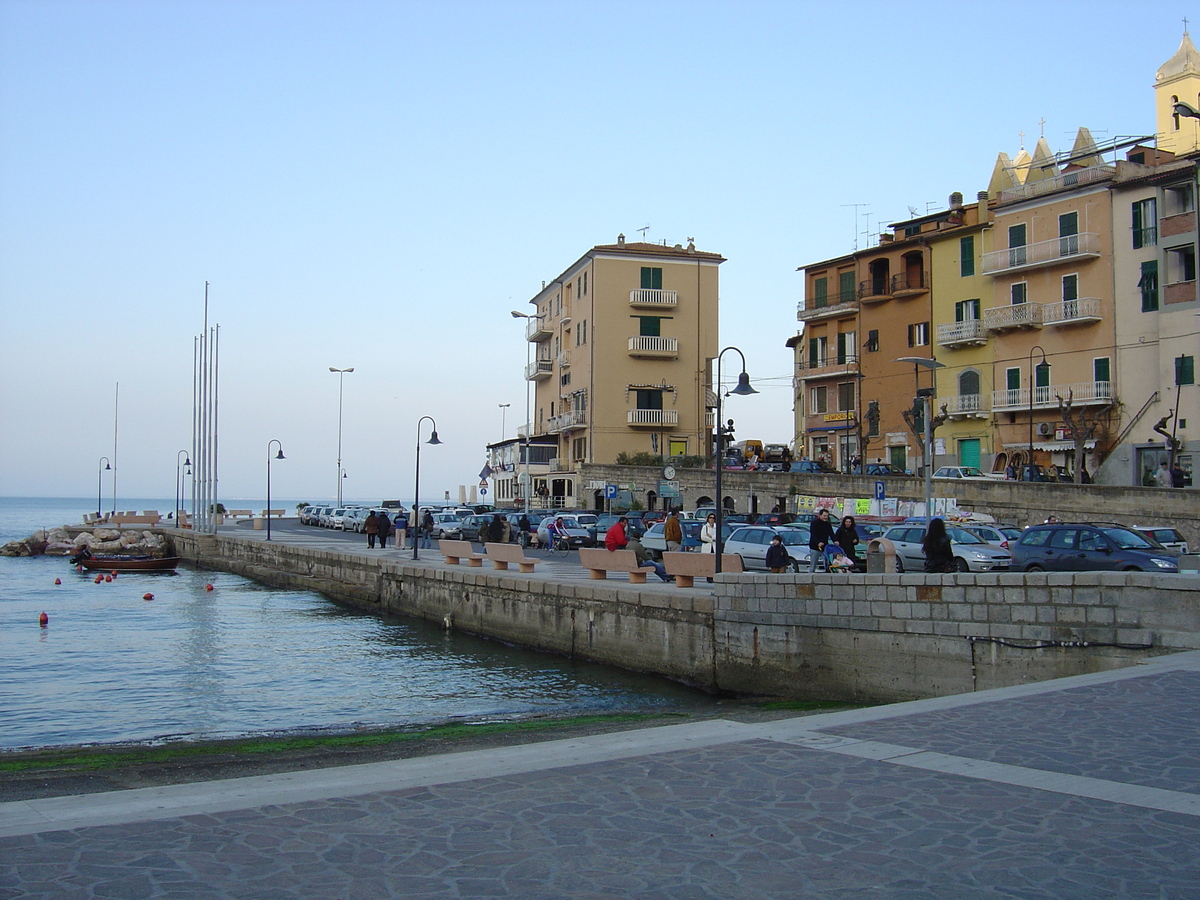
<point>879,490</point>
<point>610,492</point>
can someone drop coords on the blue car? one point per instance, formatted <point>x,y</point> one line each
<point>1089,547</point>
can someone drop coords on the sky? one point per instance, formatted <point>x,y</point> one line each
<point>377,184</point>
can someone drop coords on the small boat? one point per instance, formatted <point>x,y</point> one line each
<point>125,563</point>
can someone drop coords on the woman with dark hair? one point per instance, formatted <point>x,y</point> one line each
<point>939,555</point>
<point>847,538</point>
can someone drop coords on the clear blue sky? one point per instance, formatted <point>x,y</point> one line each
<point>376,185</point>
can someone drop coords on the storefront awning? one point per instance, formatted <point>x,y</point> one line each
<point>1050,446</point>
<point>843,427</point>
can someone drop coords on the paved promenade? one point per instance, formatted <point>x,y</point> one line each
<point>1086,787</point>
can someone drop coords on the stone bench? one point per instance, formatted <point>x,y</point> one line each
<point>503,554</point>
<point>277,513</point>
<point>456,550</point>
<point>234,513</point>
<point>130,519</point>
<point>687,567</point>
<point>600,561</point>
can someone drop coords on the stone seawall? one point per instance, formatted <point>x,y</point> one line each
<point>871,637</point>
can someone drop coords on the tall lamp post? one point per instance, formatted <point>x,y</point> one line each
<point>503,412</point>
<point>279,456</point>
<point>416,513</point>
<point>187,463</point>
<point>933,365</point>
<point>340,374</point>
<point>743,388</point>
<point>528,489</point>
<point>107,467</point>
<point>1029,469</point>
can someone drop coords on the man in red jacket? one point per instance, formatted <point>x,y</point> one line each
<point>614,538</point>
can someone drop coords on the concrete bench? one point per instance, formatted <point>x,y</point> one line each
<point>600,561</point>
<point>131,519</point>
<point>456,550</point>
<point>277,513</point>
<point>234,513</point>
<point>687,567</point>
<point>503,554</point>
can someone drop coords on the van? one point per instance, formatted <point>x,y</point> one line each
<point>745,448</point>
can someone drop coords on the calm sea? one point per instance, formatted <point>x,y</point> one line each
<point>245,659</point>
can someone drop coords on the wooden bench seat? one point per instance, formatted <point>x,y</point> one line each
<point>599,561</point>
<point>687,567</point>
<point>456,550</point>
<point>503,554</point>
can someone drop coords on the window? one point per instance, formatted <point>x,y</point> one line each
<point>649,399</point>
<point>1181,264</point>
<point>1016,245</point>
<point>1041,381</point>
<point>584,293</point>
<point>966,256</point>
<point>650,326</point>
<point>873,341</point>
<point>1185,370</point>
<point>583,332</point>
<point>818,351</point>
<point>1070,295</point>
<point>912,230</point>
<point>1101,369</point>
<point>846,396</point>
<point>651,278</point>
<point>1148,285</point>
<point>820,292</point>
<point>819,402</point>
<point>918,334</point>
<point>1068,234</point>
<point>845,287</point>
<point>845,347</point>
<point>1018,293</point>
<point>1145,223</point>
<point>966,310</point>
<point>579,449</point>
<point>564,379</point>
<point>968,383</point>
<point>1012,378</point>
<point>1178,200</point>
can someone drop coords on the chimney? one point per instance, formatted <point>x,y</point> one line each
<point>956,200</point>
<point>620,240</point>
<point>886,237</point>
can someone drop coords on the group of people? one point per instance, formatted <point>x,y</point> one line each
<point>378,525</point>
<point>835,546</point>
<point>618,538</point>
<point>1168,477</point>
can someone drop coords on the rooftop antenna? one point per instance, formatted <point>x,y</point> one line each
<point>643,230</point>
<point>912,211</point>
<point>856,206</point>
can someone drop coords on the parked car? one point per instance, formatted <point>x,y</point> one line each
<point>1168,537</point>
<point>447,525</point>
<point>750,542</point>
<point>965,473</point>
<point>813,467</point>
<point>1088,547</point>
<point>1003,536</point>
<point>633,526</point>
<point>971,552</point>
<point>577,535</point>
<point>877,469</point>
<point>355,519</point>
<point>309,515</point>
<point>324,518</point>
<point>656,544</point>
<point>337,519</point>
<point>471,526</point>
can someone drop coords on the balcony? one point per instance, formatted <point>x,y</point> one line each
<point>1071,248</point>
<point>1063,182</point>
<point>568,421</point>
<point>1072,312</point>
<point>970,333</point>
<point>564,360</point>
<point>814,312</point>
<point>652,418</point>
<point>1013,316</point>
<point>874,290</point>
<point>539,369</point>
<point>536,329</point>
<point>965,406</point>
<point>648,347</point>
<point>825,368</point>
<point>653,298</point>
<point>1082,393</point>
<point>909,284</point>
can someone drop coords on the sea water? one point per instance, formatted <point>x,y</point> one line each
<point>112,665</point>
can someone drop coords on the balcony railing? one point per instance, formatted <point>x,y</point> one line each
<point>1015,315</point>
<point>1068,248</point>
<point>575,418</point>
<point>652,297</point>
<point>823,368</point>
<point>873,290</point>
<point>1065,181</point>
<point>564,359</point>
<point>1082,393</point>
<point>813,312</point>
<point>965,406</point>
<point>654,347</point>
<point>538,369</point>
<point>536,328</point>
<point>962,334</point>
<point>652,417</point>
<point>1072,312</point>
<point>909,284</point>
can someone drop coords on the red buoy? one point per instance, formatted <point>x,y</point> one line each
<point>58,581</point>
<point>114,573</point>
<point>99,578</point>
<point>43,620</point>
<point>108,579</point>
<point>147,596</point>
<point>208,587</point>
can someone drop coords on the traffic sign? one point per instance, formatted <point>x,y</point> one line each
<point>610,492</point>
<point>483,492</point>
<point>879,490</point>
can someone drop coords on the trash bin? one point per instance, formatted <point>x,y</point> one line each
<point>881,556</point>
<point>258,523</point>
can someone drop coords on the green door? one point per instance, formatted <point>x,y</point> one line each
<point>968,453</point>
<point>899,457</point>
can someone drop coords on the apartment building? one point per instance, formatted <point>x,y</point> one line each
<point>620,349</point>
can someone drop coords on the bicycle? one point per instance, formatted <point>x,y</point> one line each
<point>559,546</point>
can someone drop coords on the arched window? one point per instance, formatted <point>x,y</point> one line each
<point>968,382</point>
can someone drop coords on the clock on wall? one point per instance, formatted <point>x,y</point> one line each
<point>668,473</point>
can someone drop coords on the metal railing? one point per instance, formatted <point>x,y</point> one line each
<point>969,331</point>
<point>964,405</point>
<point>906,281</point>
<point>653,297</point>
<point>1063,182</point>
<point>873,288</point>
<point>575,418</point>
<point>1081,309</point>
<point>812,311</point>
<point>1015,315</point>
<point>539,368</point>
<point>536,329</point>
<point>1089,393</point>
<point>1043,253</point>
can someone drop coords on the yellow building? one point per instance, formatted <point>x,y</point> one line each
<point>620,346</point>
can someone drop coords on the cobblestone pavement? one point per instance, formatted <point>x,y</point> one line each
<point>1080,788</point>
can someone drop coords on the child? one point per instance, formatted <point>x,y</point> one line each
<point>777,556</point>
<point>836,560</point>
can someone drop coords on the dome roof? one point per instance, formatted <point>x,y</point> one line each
<point>1186,61</point>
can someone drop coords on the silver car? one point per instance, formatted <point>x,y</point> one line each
<point>750,542</point>
<point>447,525</point>
<point>1003,536</point>
<point>971,552</point>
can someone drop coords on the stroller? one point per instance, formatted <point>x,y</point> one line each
<point>837,561</point>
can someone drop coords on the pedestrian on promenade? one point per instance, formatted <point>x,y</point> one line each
<point>847,538</point>
<point>708,534</point>
<point>1177,476</point>
<point>615,538</point>
<point>644,560</point>
<point>1162,477</point>
<point>524,527</point>
<point>401,524</point>
<point>939,554</point>
<point>820,533</point>
<point>427,530</point>
<point>778,559</point>
<point>496,529</point>
<point>673,532</point>
<point>385,528</point>
<point>371,527</point>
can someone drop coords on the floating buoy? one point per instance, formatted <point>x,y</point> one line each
<point>79,568</point>
<point>43,620</point>
<point>58,581</point>
<point>208,587</point>
<point>114,573</point>
<point>99,578</point>
<point>147,596</point>
<point>108,579</point>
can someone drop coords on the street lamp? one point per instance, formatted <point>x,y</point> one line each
<point>743,388</point>
<point>187,462</point>
<point>279,456</point>
<point>503,412</point>
<point>1029,470</point>
<point>528,489</point>
<point>927,453</point>
<point>340,374</point>
<point>99,477</point>
<point>416,514</point>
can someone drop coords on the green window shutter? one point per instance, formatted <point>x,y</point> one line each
<point>1070,287</point>
<point>1185,370</point>
<point>1016,235</point>
<point>966,251</point>
<point>820,291</point>
<point>1041,375</point>
<point>651,278</point>
<point>1068,224</point>
<point>812,353</point>
<point>1013,379</point>
<point>1137,226</point>
<point>845,287</point>
<point>651,326</point>
<point>1148,284</point>
<point>1101,369</point>
<point>841,349</point>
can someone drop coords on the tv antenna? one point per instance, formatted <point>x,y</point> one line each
<point>856,206</point>
<point>643,230</point>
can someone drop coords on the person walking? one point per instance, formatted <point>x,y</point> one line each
<point>847,538</point>
<point>820,533</point>
<point>1178,479</point>
<point>371,527</point>
<point>644,560</point>
<point>385,528</point>
<point>615,538</point>
<point>673,532</point>
<point>427,530</point>
<point>708,534</point>
<point>1162,477</point>
<point>778,559</point>
<point>524,527</point>
<point>496,529</point>
<point>401,524</point>
<point>787,459</point>
<point>939,554</point>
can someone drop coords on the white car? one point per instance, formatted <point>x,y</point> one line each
<point>971,552</point>
<point>447,525</point>
<point>337,519</point>
<point>964,473</point>
<point>1003,536</point>
<point>750,542</point>
<point>1168,537</point>
<point>577,535</point>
